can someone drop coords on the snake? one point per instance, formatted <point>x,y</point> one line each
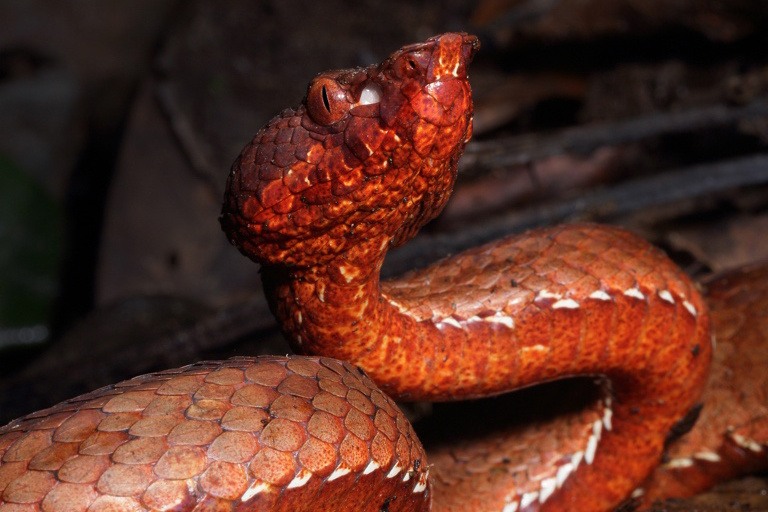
<point>317,198</point>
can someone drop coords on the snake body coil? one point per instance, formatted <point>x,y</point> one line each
<point>317,198</point>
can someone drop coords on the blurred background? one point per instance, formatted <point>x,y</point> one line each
<point>119,121</point>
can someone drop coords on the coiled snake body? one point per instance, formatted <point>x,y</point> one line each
<point>317,198</point>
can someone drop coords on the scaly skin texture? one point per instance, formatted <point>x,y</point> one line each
<point>318,197</point>
<point>731,436</point>
<point>323,191</point>
<point>246,434</point>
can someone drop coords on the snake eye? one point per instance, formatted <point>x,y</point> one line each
<point>327,101</point>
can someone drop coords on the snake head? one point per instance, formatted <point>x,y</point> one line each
<point>370,154</point>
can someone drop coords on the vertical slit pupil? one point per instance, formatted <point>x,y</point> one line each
<point>326,101</point>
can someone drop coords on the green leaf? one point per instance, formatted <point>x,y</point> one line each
<point>30,249</point>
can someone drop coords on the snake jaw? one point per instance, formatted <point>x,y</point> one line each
<point>371,154</point>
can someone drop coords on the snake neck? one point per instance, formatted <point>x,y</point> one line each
<point>338,310</point>
<point>428,337</point>
<point>568,301</point>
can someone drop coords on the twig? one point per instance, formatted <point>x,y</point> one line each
<point>524,149</point>
<point>670,187</point>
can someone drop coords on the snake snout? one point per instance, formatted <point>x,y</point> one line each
<point>452,55</point>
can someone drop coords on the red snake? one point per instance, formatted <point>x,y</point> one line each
<point>317,198</point>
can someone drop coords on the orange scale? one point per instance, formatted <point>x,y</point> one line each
<point>354,452</point>
<point>621,281</point>
<point>155,426</point>
<point>361,402</point>
<point>300,177</point>
<point>181,385</point>
<point>454,117</point>
<point>9,472</point>
<point>304,217</point>
<point>288,205</point>
<point>382,451</point>
<point>28,445</point>
<point>207,410</point>
<point>423,135</point>
<point>129,401</point>
<point>21,507</point>
<point>351,381</point>
<point>65,497</point>
<point>318,194</point>
<point>83,469</point>
<point>269,193</point>
<point>79,426</point>
<point>118,421</point>
<point>284,156</point>
<point>585,286</point>
<point>52,421</point>
<point>193,432</point>
<point>566,275</point>
<point>255,213</point>
<point>363,136</point>
<point>403,450</point>
<point>369,188</point>
<point>381,401</point>
<point>254,396</point>
<point>89,401</point>
<point>115,504</point>
<point>298,386</point>
<point>267,374</point>
<point>283,435</point>
<point>102,443</point>
<point>162,495</point>
<point>332,402</point>
<point>225,377</point>
<point>654,281</point>
<point>273,466</point>
<point>327,373</point>
<point>224,480</point>
<point>142,450</point>
<point>291,408</point>
<point>310,152</point>
<point>245,419</point>
<point>347,183</point>
<point>376,164</point>
<point>326,427</point>
<point>426,107</point>
<point>235,447</point>
<point>303,367</point>
<point>385,425</point>
<point>318,457</point>
<point>181,462</point>
<point>368,383</point>
<point>448,92</point>
<point>8,438</point>
<point>125,480</point>
<point>31,487</point>
<point>213,392</point>
<point>360,425</point>
<point>417,455</point>
<point>53,457</point>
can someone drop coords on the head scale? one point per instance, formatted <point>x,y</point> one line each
<point>369,153</point>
